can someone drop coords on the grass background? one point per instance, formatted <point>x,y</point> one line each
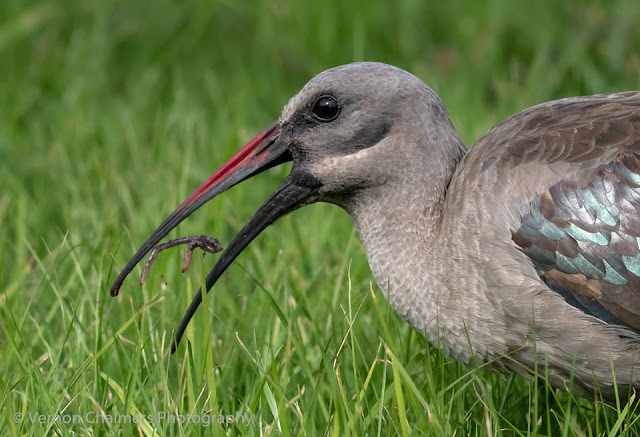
<point>112,112</point>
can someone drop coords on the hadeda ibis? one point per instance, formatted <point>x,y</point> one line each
<point>522,251</point>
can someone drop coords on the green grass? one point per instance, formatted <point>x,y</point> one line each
<point>111,112</point>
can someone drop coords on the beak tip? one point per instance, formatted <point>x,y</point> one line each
<point>115,288</point>
<point>261,153</point>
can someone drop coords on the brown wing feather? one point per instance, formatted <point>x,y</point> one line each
<point>584,241</point>
<point>575,163</point>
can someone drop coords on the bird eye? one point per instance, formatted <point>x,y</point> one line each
<point>326,108</point>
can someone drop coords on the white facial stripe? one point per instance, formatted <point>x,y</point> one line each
<point>333,162</point>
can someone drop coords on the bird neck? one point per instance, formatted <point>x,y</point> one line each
<point>399,225</point>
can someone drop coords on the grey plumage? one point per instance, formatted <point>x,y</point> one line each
<point>437,221</point>
<point>522,252</point>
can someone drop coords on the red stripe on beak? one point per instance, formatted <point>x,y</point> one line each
<point>242,156</point>
<point>261,153</point>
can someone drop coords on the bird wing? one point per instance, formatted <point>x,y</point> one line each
<point>571,169</point>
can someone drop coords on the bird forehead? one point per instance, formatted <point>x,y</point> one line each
<point>290,109</point>
<point>368,80</point>
<point>321,84</point>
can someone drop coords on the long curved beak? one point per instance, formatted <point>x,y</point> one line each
<point>263,152</point>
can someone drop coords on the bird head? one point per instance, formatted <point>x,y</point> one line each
<point>342,132</point>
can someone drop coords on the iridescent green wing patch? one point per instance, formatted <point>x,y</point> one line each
<point>585,241</point>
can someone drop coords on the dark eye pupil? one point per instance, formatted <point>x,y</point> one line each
<point>326,108</point>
